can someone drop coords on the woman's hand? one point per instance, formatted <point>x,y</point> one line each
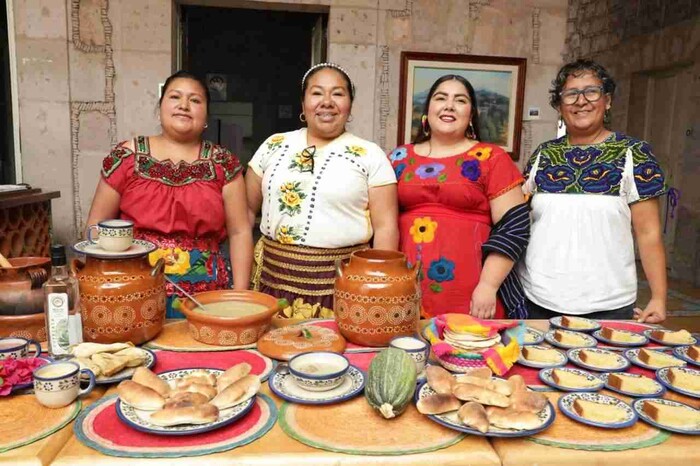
<point>655,312</point>
<point>483,305</point>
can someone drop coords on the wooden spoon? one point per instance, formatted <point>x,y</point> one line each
<point>4,262</point>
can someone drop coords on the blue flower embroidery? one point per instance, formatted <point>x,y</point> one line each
<point>441,270</point>
<point>398,154</point>
<point>555,178</point>
<point>429,170</point>
<point>649,178</point>
<point>600,177</point>
<point>399,170</point>
<point>471,169</point>
<point>581,158</point>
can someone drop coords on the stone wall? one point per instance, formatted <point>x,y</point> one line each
<point>89,72</point>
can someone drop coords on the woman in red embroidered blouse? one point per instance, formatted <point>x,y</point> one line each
<point>184,194</point>
<point>452,190</point>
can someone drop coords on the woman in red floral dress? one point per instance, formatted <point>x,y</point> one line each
<point>184,194</point>
<point>452,190</point>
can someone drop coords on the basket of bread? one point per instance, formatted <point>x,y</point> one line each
<point>186,401</point>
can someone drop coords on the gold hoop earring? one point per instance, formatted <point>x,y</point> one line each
<point>424,125</point>
<point>471,134</point>
<point>302,118</point>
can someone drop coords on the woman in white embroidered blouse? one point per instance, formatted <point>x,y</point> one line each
<point>323,191</point>
<point>590,189</point>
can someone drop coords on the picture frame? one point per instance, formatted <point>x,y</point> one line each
<point>217,84</point>
<point>499,84</point>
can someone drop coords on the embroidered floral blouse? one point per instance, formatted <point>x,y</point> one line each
<point>319,197</point>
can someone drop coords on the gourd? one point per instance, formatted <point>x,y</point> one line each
<point>391,382</point>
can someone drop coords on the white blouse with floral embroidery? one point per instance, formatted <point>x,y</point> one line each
<point>319,197</point>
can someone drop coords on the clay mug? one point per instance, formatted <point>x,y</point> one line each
<point>18,347</point>
<point>416,348</point>
<point>114,235</point>
<point>58,384</point>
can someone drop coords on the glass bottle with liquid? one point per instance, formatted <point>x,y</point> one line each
<point>64,324</point>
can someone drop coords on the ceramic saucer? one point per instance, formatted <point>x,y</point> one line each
<point>638,405</point>
<point>542,365</point>
<point>662,376</point>
<point>648,334</point>
<point>590,342</point>
<point>682,353</point>
<point>621,362</point>
<point>633,356</point>
<point>566,406</point>
<point>284,386</point>
<point>545,376</point>
<point>592,324</point>
<point>138,249</point>
<point>660,390</point>
<point>533,336</point>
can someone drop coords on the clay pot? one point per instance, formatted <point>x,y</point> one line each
<point>377,297</point>
<point>20,285</point>
<point>120,299</point>
<point>31,326</point>
<point>229,331</point>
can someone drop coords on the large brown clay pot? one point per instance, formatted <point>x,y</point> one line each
<point>377,297</point>
<point>30,326</point>
<point>120,299</point>
<point>20,285</point>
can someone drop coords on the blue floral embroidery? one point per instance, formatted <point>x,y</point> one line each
<point>429,170</point>
<point>441,270</point>
<point>471,169</point>
<point>555,178</point>
<point>581,158</point>
<point>649,178</point>
<point>600,177</point>
<point>398,154</point>
<point>399,170</point>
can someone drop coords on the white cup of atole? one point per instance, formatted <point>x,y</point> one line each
<point>58,384</point>
<point>318,371</point>
<point>114,235</point>
<point>18,348</point>
<point>416,348</point>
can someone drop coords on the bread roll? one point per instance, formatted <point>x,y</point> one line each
<point>439,379</point>
<point>528,401</point>
<point>200,414</point>
<point>470,392</point>
<point>238,392</point>
<point>148,378</point>
<point>139,396</point>
<point>206,390</point>
<point>480,372</point>
<point>185,399</point>
<point>517,383</point>
<point>232,374</point>
<point>511,419</point>
<point>474,415</point>
<point>438,404</point>
<point>188,380</point>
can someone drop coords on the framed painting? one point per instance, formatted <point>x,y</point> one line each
<point>499,85</point>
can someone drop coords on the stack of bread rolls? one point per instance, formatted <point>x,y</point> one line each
<point>194,399</point>
<point>482,402</point>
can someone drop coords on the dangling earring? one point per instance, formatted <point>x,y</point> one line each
<point>607,117</point>
<point>302,118</point>
<point>424,124</point>
<point>470,131</point>
<point>206,125</point>
<point>560,122</point>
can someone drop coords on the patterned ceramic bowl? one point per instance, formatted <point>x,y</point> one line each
<point>318,371</point>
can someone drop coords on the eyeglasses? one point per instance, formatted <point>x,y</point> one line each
<point>306,161</point>
<point>591,94</point>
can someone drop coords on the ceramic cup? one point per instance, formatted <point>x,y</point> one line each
<point>113,235</point>
<point>58,384</point>
<point>416,348</point>
<point>18,347</point>
<point>318,371</point>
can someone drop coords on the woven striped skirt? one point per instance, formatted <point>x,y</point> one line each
<point>292,272</point>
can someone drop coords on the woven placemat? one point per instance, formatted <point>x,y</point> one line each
<point>25,421</point>
<point>99,428</point>
<point>172,360</point>
<point>353,427</point>
<point>569,434</point>
<point>175,336</point>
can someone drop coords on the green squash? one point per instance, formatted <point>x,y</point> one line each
<point>391,382</point>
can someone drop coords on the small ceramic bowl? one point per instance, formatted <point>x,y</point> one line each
<point>418,349</point>
<point>318,371</point>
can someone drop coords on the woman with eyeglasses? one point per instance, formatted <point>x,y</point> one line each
<point>462,212</point>
<point>594,192</point>
<point>324,193</point>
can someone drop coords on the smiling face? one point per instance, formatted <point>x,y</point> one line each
<point>584,117</point>
<point>450,109</point>
<point>326,104</point>
<point>183,109</point>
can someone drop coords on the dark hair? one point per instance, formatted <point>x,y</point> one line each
<point>181,74</point>
<point>327,66</point>
<point>422,136</point>
<point>576,69</point>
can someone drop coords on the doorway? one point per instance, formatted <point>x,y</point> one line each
<point>7,146</point>
<point>252,61</point>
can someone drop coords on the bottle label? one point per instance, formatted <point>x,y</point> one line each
<point>57,316</point>
<point>75,329</point>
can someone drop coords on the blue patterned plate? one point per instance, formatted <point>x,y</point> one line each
<point>566,406</point>
<point>533,336</point>
<point>127,372</point>
<point>589,341</point>
<point>681,352</point>
<point>648,334</point>
<point>541,365</point>
<point>139,248</point>
<point>660,390</point>
<point>545,376</point>
<point>643,340</point>
<point>662,376</point>
<point>592,325</point>
<point>284,386</point>
<point>451,421</point>
<point>638,405</point>
<point>633,356</point>
<point>575,357</point>
<point>140,419</point>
